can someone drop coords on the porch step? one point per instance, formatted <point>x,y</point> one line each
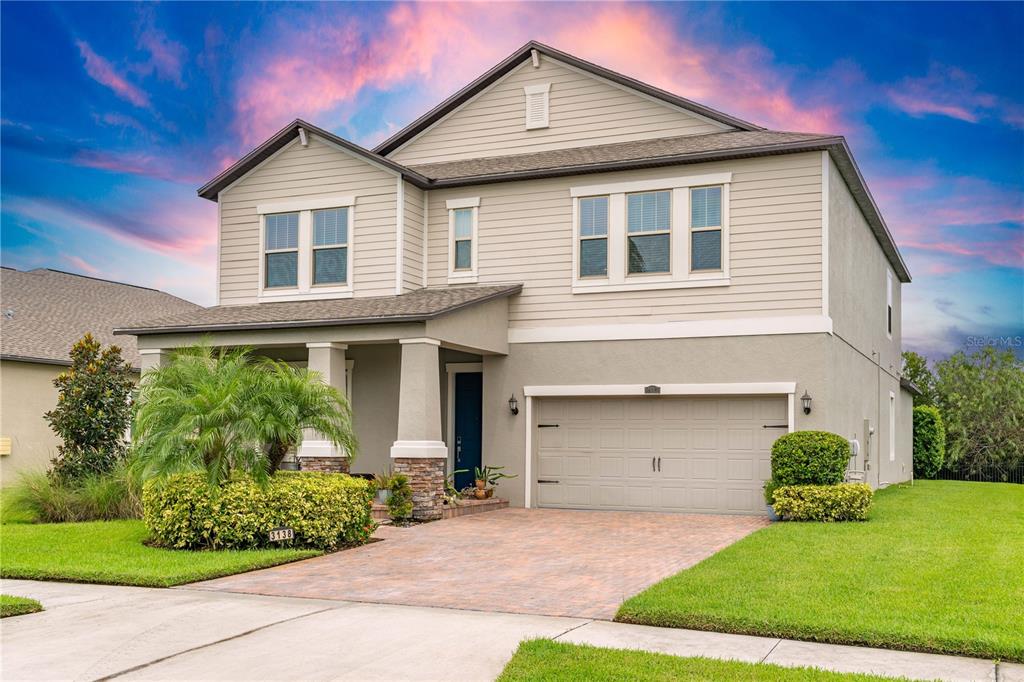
<point>463,508</point>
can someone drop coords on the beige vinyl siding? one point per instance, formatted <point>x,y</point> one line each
<point>297,172</point>
<point>526,235</point>
<point>584,110</point>
<point>412,239</point>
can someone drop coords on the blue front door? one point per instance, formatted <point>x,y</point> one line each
<point>468,425</point>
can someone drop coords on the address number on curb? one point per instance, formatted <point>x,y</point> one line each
<point>279,534</point>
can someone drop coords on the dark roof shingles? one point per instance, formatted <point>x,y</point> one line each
<point>422,304</point>
<point>50,310</point>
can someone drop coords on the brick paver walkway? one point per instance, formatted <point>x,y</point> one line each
<point>537,561</point>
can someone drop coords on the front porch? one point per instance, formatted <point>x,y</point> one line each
<point>414,380</point>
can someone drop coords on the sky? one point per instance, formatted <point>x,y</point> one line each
<point>114,114</point>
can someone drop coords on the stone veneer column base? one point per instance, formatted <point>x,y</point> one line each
<point>426,477</point>
<point>332,465</point>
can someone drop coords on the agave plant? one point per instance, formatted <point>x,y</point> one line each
<point>220,411</point>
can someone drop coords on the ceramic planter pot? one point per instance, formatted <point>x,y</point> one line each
<point>489,493</point>
<point>480,494</point>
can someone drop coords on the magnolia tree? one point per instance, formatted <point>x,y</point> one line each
<point>93,411</point>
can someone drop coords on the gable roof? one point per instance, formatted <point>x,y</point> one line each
<point>415,306</point>
<point>279,140</point>
<point>521,55</point>
<point>45,312</point>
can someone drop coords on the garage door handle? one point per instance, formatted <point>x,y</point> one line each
<point>659,464</point>
<point>543,480</point>
<point>547,426</point>
<point>774,426</point>
<point>652,463</point>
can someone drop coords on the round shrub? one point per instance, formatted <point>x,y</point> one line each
<point>929,441</point>
<point>810,458</point>
<point>324,510</point>
<point>843,502</point>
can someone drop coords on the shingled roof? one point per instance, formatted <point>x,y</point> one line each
<point>415,306</point>
<point>44,312</point>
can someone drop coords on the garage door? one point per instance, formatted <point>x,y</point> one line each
<point>675,454</point>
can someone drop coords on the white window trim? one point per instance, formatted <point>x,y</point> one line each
<point>543,90</point>
<point>463,276</point>
<point>892,426</point>
<point>305,289</point>
<point>264,251</point>
<point>680,276</point>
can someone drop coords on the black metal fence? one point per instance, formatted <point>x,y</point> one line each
<point>997,473</point>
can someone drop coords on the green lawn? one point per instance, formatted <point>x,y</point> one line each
<point>17,606</point>
<point>543,659</point>
<point>112,552</point>
<point>938,566</point>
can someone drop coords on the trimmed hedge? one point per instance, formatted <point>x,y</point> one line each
<point>929,441</point>
<point>324,510</point>
<point>810,458</point>
<point>842,502</point>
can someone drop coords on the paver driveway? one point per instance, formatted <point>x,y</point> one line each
<point>538,561</point>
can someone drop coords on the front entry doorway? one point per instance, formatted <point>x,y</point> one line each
<point>468,431</point>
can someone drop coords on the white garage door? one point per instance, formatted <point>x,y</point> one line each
<point>708,454</point>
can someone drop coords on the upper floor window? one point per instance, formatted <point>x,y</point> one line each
<point>463,223</point>
<point>706,228</point>
<point>281,250</point>
<point>593,212</point>
<point>330,246</point>
<point>888,304</point>
<point>648,228</point>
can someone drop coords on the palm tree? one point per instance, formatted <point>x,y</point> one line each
<point>218,411</point>
<point>295,399</point>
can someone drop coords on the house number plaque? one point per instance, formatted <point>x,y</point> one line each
<point>282,534</point>
<point>652,390</point>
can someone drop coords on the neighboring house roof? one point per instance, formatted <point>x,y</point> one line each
<point>520,56</point>
<point>909,386</point>
<point>746,141</point>
<point>44,312</point>
<point>415,306</point>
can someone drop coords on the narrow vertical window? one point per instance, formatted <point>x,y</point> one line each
<point>648,228</point>
<point>462,238</point>
<point>593,213</point>
<point>888,304</point>
<point>281,249</point>
<point>892,426</point>
<point>705,228</point>
<point>330,246</point>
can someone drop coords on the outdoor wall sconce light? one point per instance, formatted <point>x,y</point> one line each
<point>806,400</point>
<point>513,404</point>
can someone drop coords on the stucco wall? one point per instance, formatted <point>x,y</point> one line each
<point>26,393</point>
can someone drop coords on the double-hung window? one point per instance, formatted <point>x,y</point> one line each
<point>330,246</point>
<point>593,212</point>
<point>462,238</point>
<point>281,250</point>
<point>705,228</point>
<point>648,232</point>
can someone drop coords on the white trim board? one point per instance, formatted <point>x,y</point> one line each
<point>310,204</point>
<point>594,390</point>
<point>453,368</point>
<point>753,326</point>
<point>399,235</point>
<point>651,185</point>
<point>826,167</point>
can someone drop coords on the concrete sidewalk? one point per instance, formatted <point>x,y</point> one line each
<point>91,632</point>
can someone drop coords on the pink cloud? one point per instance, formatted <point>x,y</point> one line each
<point>137,163</point>
<point>103,72</point>
<point>444,46</point>
<point>166,56</point>
<point>83,265</point>
<point>951,92</point>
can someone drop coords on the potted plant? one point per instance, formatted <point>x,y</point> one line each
<point>486,478</point>
<point>451,493</point>
<point>383,482</point>
<point>769,498</point>
<point>480,479</point>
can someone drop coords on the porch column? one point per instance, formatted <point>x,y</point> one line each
<point>419,452</point>
<point>316,453</point>
<point>151,358</point>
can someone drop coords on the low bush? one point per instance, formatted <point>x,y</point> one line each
<point>400,500</point>
<point>325,510</point>
<point>842,502</point>
<point>92,497</point>
<point>929,441</point>
<point>810,458</point>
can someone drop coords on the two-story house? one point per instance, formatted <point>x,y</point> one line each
<point>618,294</point>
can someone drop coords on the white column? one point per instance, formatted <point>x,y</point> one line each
<point>419,402</point>
<point>151,358</point>
<point>327,358</point>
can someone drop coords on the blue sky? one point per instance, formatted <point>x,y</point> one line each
<point>113,114</point>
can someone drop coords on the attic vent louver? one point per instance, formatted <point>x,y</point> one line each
<point>537,105</point>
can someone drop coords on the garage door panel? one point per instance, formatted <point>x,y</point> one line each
<point>710,454</point>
